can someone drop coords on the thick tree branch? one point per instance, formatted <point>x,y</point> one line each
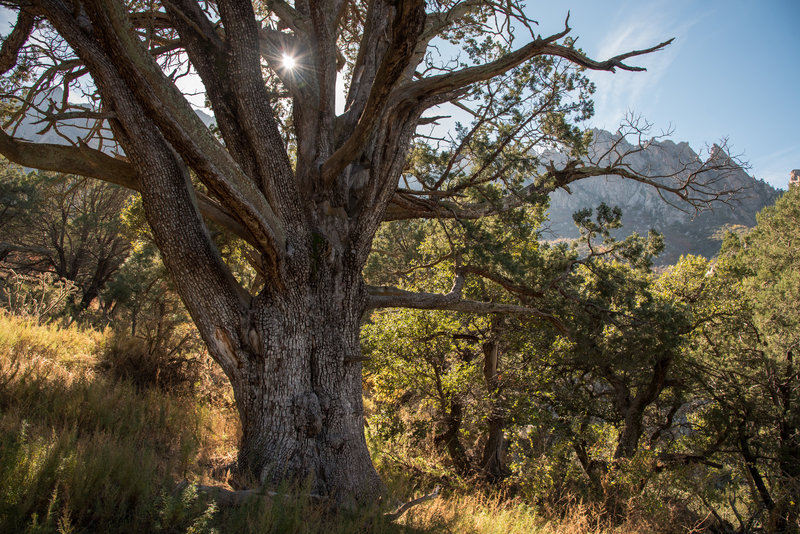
<point>165,104</point>
<point>15,41</point>
<point>206,51</point>
<point>289,17</point>
<point>82,160</point>
<point>375,39</point>
<point>255,114</point>
<point>408,24</point>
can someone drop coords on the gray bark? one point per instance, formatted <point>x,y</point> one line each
<point>299,395</point>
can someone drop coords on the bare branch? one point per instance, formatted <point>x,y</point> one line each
<point>403,508</point>
<point>392,297</point>
<point>694,184</point>
<point>80,160</point>
<point>540,46</point>
<point>610,64</point>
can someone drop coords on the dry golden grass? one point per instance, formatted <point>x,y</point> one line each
<point>82,453</point>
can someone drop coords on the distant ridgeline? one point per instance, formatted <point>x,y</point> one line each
<point>685,232</point>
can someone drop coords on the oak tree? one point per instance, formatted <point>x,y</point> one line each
<point>304,182</point>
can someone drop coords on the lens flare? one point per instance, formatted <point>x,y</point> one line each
<point>288,62</point>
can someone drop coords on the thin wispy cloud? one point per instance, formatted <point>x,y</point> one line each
<point>773,168</point>
<point>642,26</point>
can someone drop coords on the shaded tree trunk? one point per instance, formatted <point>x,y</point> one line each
<point>789,441</point>
<point>633,408</point>
<point>450,437</point>
<point>751,464</point>
<point>492,464</point>
<point>299,395</point>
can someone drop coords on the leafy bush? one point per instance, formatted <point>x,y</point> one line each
<point>132,359</point>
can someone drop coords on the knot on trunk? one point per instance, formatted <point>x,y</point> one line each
<point>307,413</point>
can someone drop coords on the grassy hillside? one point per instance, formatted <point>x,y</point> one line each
<point>81,452</point>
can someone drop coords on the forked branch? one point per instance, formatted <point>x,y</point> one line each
<point>408,25</point>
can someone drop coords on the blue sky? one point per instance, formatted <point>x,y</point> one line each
<point>733,71</point>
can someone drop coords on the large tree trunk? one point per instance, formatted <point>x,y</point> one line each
<point>299,393</point>
<point>300,400</point>
<point>630,433</point>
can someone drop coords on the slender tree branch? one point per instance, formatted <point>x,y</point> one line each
<point>403,508</point>
<point>392,297</point>
<point>610,64</point>
<point>540,46</point>
<point>504,282</point>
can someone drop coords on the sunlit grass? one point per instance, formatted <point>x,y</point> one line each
<point>77,449</point>
<point>80,452</point>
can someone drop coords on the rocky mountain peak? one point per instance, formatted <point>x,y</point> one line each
<point>794,178</point>
<point>685,230</point>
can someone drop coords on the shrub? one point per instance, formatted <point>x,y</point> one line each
<point>41,296</point>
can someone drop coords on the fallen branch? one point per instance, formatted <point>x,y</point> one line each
<point>403,508</point>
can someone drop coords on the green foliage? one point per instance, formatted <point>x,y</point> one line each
<point>18,198</point>
<point>555,389</point>
<point>62,226</point>
<point>742,347</point>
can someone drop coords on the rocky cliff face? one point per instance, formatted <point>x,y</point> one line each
<point>685,232</point>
